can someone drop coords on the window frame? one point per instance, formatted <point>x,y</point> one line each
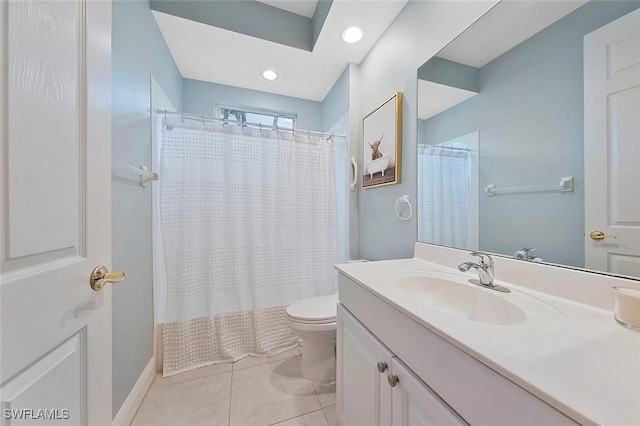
<point>256,110</point>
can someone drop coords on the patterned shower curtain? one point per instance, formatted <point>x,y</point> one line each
<point>443,196</point>
<point>249,224</point>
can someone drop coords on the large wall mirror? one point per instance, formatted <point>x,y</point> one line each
<point>502,139</point>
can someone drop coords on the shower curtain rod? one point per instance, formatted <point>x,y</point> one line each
<point>452,148</point>
<point>243,123</point>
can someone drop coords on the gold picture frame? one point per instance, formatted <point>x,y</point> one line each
<point>382,144</point>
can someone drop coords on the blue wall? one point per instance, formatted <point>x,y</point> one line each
<point>336,103</point>
<point>138,50</point>
<point>449,73</point>
<point>529,113</point>
<point>420,30</point>
<point>200,97</point>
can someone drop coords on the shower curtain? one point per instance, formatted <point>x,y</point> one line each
<point>443,196</point>
<point>249,224</point>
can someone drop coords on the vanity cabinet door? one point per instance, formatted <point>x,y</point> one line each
<point>414,403</point>
<point>363,363</point>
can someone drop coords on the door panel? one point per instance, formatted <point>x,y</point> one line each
<point>45,101</point>
<point>624,265</point>
<point>31,390</point>
<point>364,397</point>
<point>55,346</point>
<point>622,55</point>
<point>612,151</point>
<point>624,157</point>
<point>415,404</point>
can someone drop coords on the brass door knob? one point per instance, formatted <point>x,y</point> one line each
<point>382,366</point>
<point>599,235</point>
<point>101,276</point>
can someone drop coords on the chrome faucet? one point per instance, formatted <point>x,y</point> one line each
<point>524,254</point>
<point>485,272</point>
<point>484,268</point>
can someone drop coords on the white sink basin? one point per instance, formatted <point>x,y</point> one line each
<point>473,303</point>
<point>454,295</point>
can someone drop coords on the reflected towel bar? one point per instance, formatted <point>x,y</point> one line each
<point>145,174</point>
<point>565,185</point>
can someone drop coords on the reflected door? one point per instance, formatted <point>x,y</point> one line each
<point>612,146</point>
<point>55,107</point>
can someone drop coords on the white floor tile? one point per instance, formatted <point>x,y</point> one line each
<point>203,401</point>
<point>270,393</point>
<point>251,361</point>
<point>253,391</point>
<point>196,373</point>
<point>330,414</point>
<point>316,418</point>
<point>326,393</point>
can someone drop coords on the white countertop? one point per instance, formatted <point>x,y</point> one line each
<point>573,356</point>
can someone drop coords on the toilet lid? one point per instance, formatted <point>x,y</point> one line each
<point>321,309</point>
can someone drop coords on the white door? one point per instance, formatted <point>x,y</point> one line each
<point>414,403</point>
<point>55,128</point>
<point>364,396</point>
<point>612,146</point>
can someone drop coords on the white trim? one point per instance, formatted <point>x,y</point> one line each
<point>159,100</point>
<point>132,403</point>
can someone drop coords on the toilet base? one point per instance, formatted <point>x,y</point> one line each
<point>319,358</point>
<point>318,350</point>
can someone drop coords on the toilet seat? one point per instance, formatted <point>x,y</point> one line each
<point>314,310</point>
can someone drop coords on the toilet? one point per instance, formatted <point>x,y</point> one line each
<point>314,320</point>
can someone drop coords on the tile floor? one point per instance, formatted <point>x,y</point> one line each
<point>250,392</point>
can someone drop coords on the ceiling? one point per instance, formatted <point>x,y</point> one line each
<point>299,7</point>
<point>433,98</point>
<point>502,28</point>
<point>208,52</point>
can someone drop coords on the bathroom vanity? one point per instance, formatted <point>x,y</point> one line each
<point>419,345</point>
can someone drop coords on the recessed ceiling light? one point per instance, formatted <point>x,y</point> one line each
<point>352,34</point>
<point>269,75</point>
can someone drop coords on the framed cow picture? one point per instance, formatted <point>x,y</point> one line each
<point>382,144</point>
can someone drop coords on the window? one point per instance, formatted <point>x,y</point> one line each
<point>257,116</point>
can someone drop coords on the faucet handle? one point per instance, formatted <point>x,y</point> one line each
<point>523,253</point>
<point>486,261</point>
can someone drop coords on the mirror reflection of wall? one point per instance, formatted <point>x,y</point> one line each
<point>525,104</point>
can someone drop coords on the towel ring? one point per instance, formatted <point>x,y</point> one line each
<point>404,199</point>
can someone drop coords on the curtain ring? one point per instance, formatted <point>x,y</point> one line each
<point>203,119</point>
<point>404,199</point>
<point>182,116</point>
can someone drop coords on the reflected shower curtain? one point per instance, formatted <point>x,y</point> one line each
<point>249,225</point>
<point>443,196</point>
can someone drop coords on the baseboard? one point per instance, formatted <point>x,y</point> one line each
<point>132,403</point>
